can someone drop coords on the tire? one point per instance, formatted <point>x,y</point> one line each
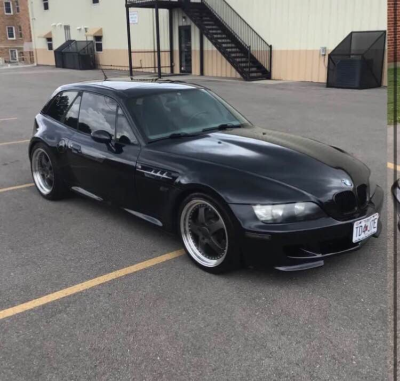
<point>208,235</point>
<point>46,173</point>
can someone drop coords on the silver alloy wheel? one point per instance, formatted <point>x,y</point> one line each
<point>204,233</point>
<point>42,171</point>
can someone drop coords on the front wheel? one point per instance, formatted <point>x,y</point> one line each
<point>207,233</point>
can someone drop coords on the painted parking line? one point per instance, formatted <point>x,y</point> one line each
<point>392,166</point>
<point>16,187</point>
<point>88,284</point>
<point>15,142</point>
<point>6,119</point>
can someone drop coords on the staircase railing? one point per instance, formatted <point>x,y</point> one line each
<point>252,41</point>
<point>255,45</point>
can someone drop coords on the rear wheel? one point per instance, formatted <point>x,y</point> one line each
<point>207,233</point>
<point>46,173</point>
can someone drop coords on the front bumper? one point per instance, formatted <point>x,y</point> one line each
<point>302,245</point>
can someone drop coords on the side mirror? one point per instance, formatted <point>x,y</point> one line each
<point>101,136</point>
<point>396,197</point>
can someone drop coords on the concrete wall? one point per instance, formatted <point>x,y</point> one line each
<point>108,15</point>
<point>297,29</point>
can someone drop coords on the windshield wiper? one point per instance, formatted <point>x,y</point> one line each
<point>222,127</point>
<point>174,135</point>
<point>177,135</point>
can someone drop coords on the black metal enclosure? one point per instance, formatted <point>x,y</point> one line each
<point>58,53</point>
<point>357,62</point>
<point>78,55</point>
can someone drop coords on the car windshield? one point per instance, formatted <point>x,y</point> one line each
<point>179,113</point>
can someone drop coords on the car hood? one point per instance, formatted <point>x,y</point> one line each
<point>314,168</point>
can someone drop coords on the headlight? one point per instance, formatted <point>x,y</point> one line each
<point>300,211</point>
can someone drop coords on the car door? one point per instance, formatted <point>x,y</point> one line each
<point>104,171</point>
<point>59,120</point>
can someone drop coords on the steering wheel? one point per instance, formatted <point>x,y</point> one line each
<point>196,115</point>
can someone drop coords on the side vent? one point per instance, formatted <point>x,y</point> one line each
<point>156,173</point>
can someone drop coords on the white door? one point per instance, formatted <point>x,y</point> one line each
<point>13,55</point>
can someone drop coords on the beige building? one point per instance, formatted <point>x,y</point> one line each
<point>301,33</point>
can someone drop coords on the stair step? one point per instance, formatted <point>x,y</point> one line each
<point>227,45</point>
<point>203,19</point>
<point>253,68</point>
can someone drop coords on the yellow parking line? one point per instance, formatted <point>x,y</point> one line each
<point>5,119</point>
<point>16,187</point>
<point>89,284</point>
<point>16,142</point>
<point>392,166</point>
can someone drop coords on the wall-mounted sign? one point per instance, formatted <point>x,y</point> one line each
<point>133,17</point>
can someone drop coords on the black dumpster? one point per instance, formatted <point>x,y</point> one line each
<point>357,62</point>
<point>78,55</point>
<point>58,53</point>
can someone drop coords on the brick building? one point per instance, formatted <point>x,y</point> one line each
<point>15,32</point>
<point>391,29</point>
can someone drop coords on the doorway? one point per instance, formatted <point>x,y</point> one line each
<point>185,49</point>
<point>67,32</point>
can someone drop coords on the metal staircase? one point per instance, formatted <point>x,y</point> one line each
<point>230,34</point>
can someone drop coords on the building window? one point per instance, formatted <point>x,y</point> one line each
<point>46,5</point>
<point>98,41</point>
<point>49,43</point>
<point>10,33</point>
<point>8,8</point>
<point>19,31</point>
<point>95,1</point>
<point>17,6</point>
<point>13,55</point>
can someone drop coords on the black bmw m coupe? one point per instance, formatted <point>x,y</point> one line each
<point>180,157</point>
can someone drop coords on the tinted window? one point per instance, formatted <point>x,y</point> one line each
<point>124,130</point>
<point>61,104</point>
<point>97,113</point>
<point>187,111</point>
<point>71,118</point>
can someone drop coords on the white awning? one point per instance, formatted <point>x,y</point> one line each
<point>95,32</point>
<point>46,35</point>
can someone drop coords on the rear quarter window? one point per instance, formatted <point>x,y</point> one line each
<point>60,104</point>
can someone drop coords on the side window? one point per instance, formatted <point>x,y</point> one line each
<point>71,118</point>
<point>97,113</point>
<point>60,104</point>
<point>124,129</point>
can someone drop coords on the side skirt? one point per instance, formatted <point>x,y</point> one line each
<point>145,217</point>
<point>86,193</point>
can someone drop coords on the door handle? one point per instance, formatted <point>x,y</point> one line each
<point>76,148</point>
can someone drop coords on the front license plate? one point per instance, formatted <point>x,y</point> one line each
<point>365,228</point>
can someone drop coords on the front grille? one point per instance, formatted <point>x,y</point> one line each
<point>346,202</point>
<point>362,194</point>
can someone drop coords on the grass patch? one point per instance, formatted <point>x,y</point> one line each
<point>391,101</point>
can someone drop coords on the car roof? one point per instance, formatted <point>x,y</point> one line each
<point>132,88</point>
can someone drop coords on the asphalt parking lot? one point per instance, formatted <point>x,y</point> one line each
<point>171,321</point>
